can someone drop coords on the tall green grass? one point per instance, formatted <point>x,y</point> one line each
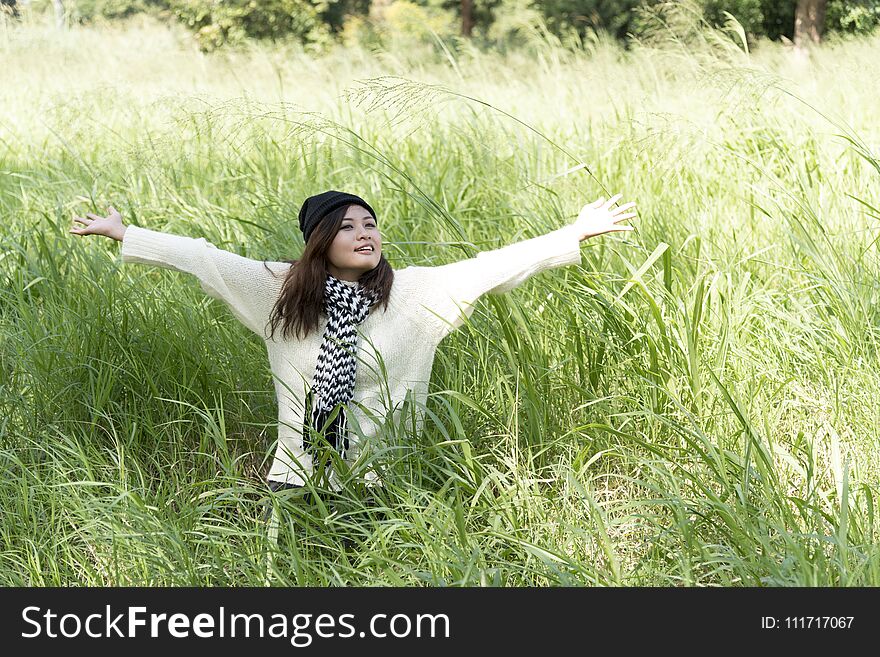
<point>695,404</point>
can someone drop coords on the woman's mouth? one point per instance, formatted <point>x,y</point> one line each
<point>365,249</point>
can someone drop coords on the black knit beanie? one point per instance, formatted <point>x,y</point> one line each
<point>315,208</point>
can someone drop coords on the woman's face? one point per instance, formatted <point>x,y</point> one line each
<point>358,230</point>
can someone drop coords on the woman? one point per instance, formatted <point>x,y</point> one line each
<point>347,337</point>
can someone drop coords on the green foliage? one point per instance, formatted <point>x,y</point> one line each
<point>774,20</point>
<point>748,13</point>
<point>760,18</point>
<point>778,19</point>
<point>88,11</point>
<point>399,24</point>
<point>614,16</point>
<point>387,23</point>
<point>510,19</point>
<point>853,16</point>
<point>483,11</point>
<point>233,21</point>
<point>337,11</point>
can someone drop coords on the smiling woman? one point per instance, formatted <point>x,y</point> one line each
<point>356,337</point>
<point>357,247</point>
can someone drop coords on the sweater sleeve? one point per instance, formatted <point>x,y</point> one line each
<point>448,292</point>
<point>242,284</point>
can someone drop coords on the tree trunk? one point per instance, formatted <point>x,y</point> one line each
<point>59,13</point>
<point>809,21</point>
<point>467,18</point>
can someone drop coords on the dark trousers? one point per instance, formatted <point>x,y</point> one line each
<point>276,486</point>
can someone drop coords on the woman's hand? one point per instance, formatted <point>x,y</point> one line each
<point>599,217</point>
<point>109,226</point>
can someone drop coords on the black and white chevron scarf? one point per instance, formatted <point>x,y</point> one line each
<point>346,307</point>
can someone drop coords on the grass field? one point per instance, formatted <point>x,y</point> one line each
<point>695,404</point>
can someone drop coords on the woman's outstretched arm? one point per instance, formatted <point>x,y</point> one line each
<point>449,292</point>
<point>245,285</point>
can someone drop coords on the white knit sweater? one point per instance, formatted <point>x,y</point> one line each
<point>425,305</point>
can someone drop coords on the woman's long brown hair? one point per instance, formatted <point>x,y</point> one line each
<point>301,300</point>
